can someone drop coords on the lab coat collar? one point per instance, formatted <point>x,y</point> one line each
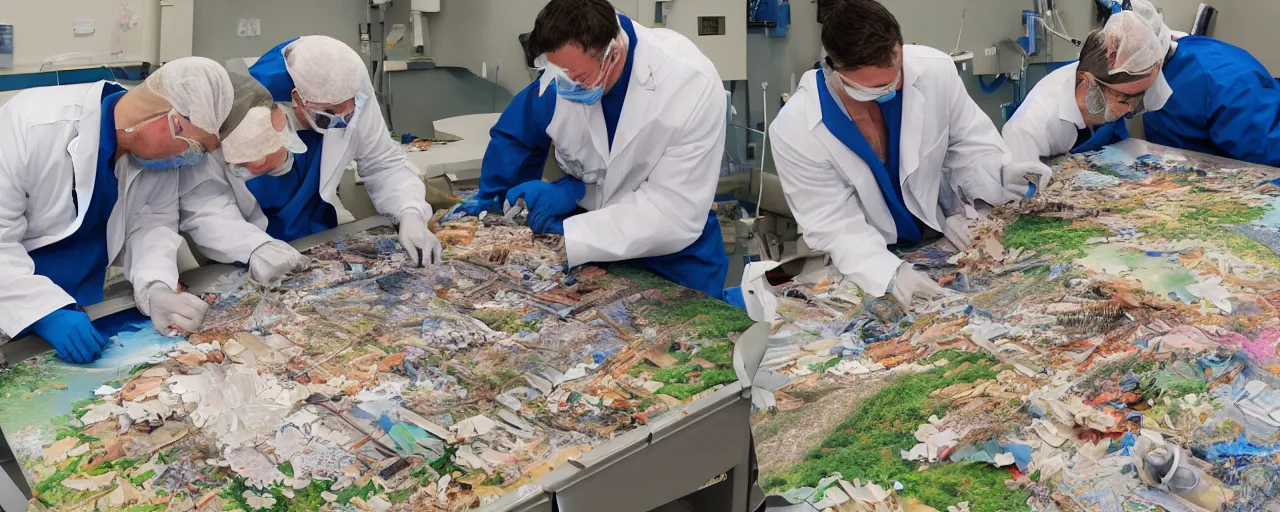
<point>1068,110</point>
<point>913,105</point>
<point>84,150</point>
<point>636,110</point>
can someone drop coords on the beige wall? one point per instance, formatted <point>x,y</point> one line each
<point>42,29</point>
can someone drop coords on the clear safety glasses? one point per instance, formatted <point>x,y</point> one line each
<point>1135,103</point>
<point>173,119</point>
<point>566,83</point>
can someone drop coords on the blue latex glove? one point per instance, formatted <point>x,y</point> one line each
<point>549,203</point>
<point>734,297</point>
<point>475,206</point>
<point>72,335</point>
<point>547,225</point>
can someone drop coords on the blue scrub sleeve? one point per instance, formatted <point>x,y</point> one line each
<point>519,143</point>
<point>1244,118</point>
<point>1121,133</point>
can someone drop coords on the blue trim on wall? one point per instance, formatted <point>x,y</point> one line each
<point>19,81</point>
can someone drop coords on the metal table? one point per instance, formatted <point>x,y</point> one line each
<point>669,459</point>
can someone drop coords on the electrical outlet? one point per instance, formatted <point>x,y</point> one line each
<point>83,27</point>
<point>242,28</point>
<point>255,27</point>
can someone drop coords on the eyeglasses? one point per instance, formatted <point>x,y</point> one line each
<point>326,117</point>
<point>174,120</point>
<point>566,82</point>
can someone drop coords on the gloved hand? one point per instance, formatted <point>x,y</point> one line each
<point>1026,178</point>
<point>549,203</point>
<point>547,225</point>
<point>270,262</point>
<point>957,229</point>
<point>72,335</point>
<point>182,310</point>
<point>475,206</point>
<point>909,283</point>
<point>415,237</point>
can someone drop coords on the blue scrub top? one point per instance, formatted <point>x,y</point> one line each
<point>887,173</point>
<point>78,263</point>
<point>270,71</point>
<point>613,100</point>
<point>291,202</point>
<point>1224,103</point>
<point>518,143</point>
<point>1105,135</point>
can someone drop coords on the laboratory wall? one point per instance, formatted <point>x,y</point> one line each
<point>43,31</point>
<point>215,34</point>
<point>1249,24</point>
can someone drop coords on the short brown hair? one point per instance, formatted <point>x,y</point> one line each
<point>858,33</point>
<point>590,24</point>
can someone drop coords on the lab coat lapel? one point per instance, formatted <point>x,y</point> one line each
<point>333,157</point>
<point>913,106</point>
<point>83,149</point>
<point>637,109</point>
<point>598,131</point>
<point>126,174</point>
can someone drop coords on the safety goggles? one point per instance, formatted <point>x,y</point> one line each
<point>325,117</point>
<point>174,120</point>
<point>861,92</point>
<point>587,80</point>
<point>1136,103</point>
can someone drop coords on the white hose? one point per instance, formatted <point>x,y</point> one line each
<point>764,145</point>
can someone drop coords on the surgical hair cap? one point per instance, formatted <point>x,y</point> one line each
<point>1123,51</point>
<point>254,138</point>
<point>1155,20</point>
<point>325,70</point>
<point>196,87</point>
<point>247,135</point>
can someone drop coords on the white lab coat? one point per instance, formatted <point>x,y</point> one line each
<point>949,152</point>
<point>48,145</point>
<point>657,182</point>
<point>1048,121</point>
<point>219,213</point>
<point>213,198</point>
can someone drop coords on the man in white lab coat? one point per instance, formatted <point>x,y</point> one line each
<point>1083,106</point>
<point>637,117</point>
<point>256,141</point>
<point>330,105</point>
<point>881,147</point>
<point>88,178</point>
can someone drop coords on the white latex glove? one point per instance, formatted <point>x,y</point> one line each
<point>957,230</point>
<point>274,260</point>
<point>910,283</point>
<point>414,237</point>
<point>1018,178</point>
<point>182,310</point>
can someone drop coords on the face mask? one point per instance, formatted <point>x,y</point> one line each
<point>863,93</point>
<point>188,158</point>
<point>283,168</point>
<point>292,143</point>
<point>244,174</point>
<point>571,90</point>
<point>1095,100</point>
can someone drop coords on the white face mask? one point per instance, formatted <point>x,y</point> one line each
<point>863,93</point>
<point>244,174</point>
